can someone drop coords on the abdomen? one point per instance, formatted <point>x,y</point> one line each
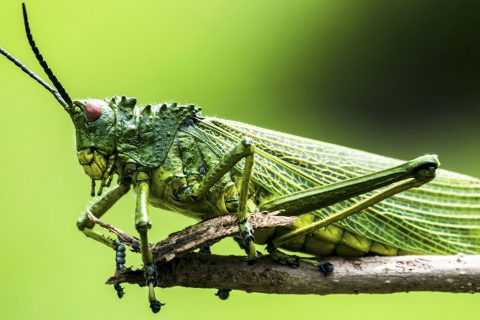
<point>329,241</point>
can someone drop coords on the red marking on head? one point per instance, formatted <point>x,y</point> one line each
<point>93,110</point>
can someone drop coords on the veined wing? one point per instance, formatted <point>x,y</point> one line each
<point>442,216</point>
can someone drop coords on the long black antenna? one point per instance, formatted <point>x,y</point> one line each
<point>34,76</point>
<point>65,102</point>
<point>42,61</point>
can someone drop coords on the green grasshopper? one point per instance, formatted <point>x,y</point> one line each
<point>349,202</point>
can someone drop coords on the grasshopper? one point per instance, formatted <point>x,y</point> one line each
<point>349,202</point>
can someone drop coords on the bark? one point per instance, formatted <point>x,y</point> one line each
<point>350,276</point>
<point>178,266</point>
<point>201,234</point>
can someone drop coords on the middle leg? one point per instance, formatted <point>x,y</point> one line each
<point>243,150</point>
<point>143,224</point>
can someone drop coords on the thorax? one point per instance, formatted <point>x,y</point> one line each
<point>186,163</point>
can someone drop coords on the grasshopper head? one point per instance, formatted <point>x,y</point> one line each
<point>94,122</point>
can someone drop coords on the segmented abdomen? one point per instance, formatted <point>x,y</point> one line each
<point>334,240</point>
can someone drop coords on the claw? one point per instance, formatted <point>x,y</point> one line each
<point>326,268</point>
<point>150,274</point>
<point>223,294</point>
<point>156,305</point>
<point>118,288</point>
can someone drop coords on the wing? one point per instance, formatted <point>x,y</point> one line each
<point>441,217</point>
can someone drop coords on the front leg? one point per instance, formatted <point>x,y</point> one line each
<point>142,224</point>
<point>98,209</point>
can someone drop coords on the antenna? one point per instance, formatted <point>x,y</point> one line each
<point>34,76</point>
<point>42,61</point>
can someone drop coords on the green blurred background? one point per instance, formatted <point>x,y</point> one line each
<point>399,78</point>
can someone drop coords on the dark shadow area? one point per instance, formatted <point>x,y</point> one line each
<point>400,65</point>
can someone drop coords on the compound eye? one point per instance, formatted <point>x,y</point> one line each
<point>93,110</point>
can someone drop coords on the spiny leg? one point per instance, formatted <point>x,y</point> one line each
<point>98,209</point>
<point>324,196</point>
<point>359,206</point>
<point>142,224</point>
<point>243,150</point>
<point>422,174</point>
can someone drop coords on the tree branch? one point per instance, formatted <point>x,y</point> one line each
<point>177,266</point>
<point>358,275</point>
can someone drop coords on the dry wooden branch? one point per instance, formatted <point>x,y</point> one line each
<point>354,275</point>
<point>177,267</point>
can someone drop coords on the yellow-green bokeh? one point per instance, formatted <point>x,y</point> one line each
<point>398,78</point>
